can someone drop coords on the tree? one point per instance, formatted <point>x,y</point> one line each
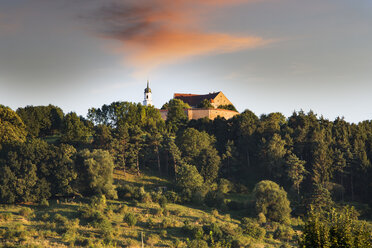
<point>41,121</point>
<point>102,137</point>
<point>95,170</point>
<point>176,117</point>
<point>335,229</point>
<point>273,153</point>
<point>209,163</point>
<point>188,178</point>
<point>12,128</point>
<point>198,149</point>
<point>295,171</point>
<point>272,201</point>
<point>23,166</point>
<point>228,107</point>
<point>74,131</point>
<point>229,157</point>
<point>205,104</point>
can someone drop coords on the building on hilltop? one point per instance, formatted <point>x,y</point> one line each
<point>216,100</point>
<point>147,96</point>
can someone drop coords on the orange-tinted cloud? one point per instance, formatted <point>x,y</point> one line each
<point>155,32</point>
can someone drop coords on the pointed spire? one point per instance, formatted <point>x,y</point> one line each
<point>147,89</point>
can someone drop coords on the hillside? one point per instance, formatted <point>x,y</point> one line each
<point>65,223</point>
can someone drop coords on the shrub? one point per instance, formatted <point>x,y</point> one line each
<point>163,234</point>
<point>152,240</point>
<point>146,198</point>
<point>214,230</point>
<point>284,233</point>
<point>157,211</point>
<point>172,196</point>
<point>130,219</point>
<point>198,197</point>
<point>253,229</point>
<point>92,216</point>
<point>125,192</point>
<point>272,201</point>
<point>166,223</point>
<point>224,186</point>
<point>194,231</point>
<point>26,212</point>
<point>45,217</point>
<point>14,233</point>
<point>98,202</point>
<point>197,244</point>
<point>123,209</point>
<point>261,218</point>
<point>44,203</point>
<point>335,229</point>
<point>6,216</point>
<point>214,199</point>
<point>163,201</point>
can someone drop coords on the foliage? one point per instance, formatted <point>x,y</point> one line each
<point>188,178</point>
<point>12,128</point>
<point>42,121</point>
<point>335,229</point>
<point>205,104</point>
<point>130,219</point>
<point>252,229</point>
<point>271,200</point>
<point>74,130</point>
<point>228,107</point>
<point>95,170</point>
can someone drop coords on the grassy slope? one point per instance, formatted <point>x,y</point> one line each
<point>41,229</point>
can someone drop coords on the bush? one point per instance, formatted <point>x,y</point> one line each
<point>197,244</point>
<point>253,229</point>
<point>126,192</point>
<point>272,201</point>
<point>195,232</point>
<point>14,233</point>
<point>214,199</point>
<point>261,218</point>
<point>123,209</point>
<point>172,196</point>
<point>163,201</point>
<point>26,212</point>
<point>166,223</point>
<point>44,203</point>
<point>92,216</point>
<point>6,216</point>
<point>284,233</point>
<point>214,230</point>
<point>225,186</point>
<point>152,240</point>
<point>130,219</point>
<point>335,229</point>
<point>98,202</point>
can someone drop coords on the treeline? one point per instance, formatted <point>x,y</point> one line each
<point>46,153</point>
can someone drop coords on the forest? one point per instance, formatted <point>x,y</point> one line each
<point>127,176</point>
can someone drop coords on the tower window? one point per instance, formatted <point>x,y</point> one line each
<point>147,97</point>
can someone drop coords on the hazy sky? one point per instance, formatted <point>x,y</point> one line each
<point>265,55</point>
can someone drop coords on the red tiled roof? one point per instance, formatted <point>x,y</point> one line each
<point>194,100</point>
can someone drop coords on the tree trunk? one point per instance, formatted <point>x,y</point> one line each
<point>158,155</point>
<point>175,168</point>
<point>248,159</point>
<point>138,168</point>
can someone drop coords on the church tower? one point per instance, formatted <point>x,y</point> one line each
<point>148,98</point>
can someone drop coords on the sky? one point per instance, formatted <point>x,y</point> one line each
<point>264,55</point>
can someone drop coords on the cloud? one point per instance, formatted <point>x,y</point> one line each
<point>157,32</point>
